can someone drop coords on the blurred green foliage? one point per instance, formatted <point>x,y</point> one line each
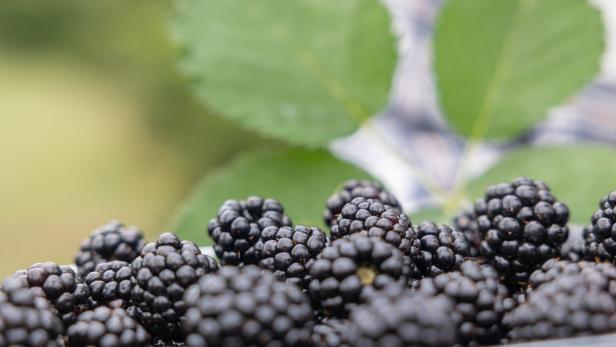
<point>97,123</point>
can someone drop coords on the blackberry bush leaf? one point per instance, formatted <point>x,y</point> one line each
<point>300,179</point>
<point>501,64</point>
<point>578,175</point>
<point>305,71</point>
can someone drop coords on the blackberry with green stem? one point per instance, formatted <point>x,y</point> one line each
<point>289,251</point>
<point>345,268</point>
<point>112,241</point>
<point>238,225</point>
<point>161,274</point>
<point>354,189</point>
<point>246,306</point>
<point>522,225</point>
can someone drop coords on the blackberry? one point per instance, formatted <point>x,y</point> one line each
<point>238,226</point>
<point>479,299</point>
<point>465,222</point>
<point>409,320</point>
<point>161,274</point>
<point>555,268</point>
<point>26,319</point>
<point>331,333</point>
<point>354,189</point>
<point>60,285</point>
<point>107,327</point>
<point>522,226</point>
<point>347,266</point>
<point>246,307</point>
<point>289,252</point>
<point>373,218</point>
<point>600,235</point>
<point>112,241</point>
<point>570,305</point>
<point>441,249</point>
<point>110,284</point>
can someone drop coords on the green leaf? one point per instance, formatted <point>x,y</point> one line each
<point>501,64</point>
<point>305,71</point>
<point>578,176</point>
<point>300,179</point>
<point>433,214</point>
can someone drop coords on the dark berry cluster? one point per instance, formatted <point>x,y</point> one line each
<point>352,189</point>
<point>522,226</point>
<point>600,235</point>
<point>238,226</point>
<point>479,299</point>
<point>331,333</point>
<point>112,241</point>
<point>246,307</point>
<point>161,275</point>
<point>347,266</point>
<point>60,285</point>
<point>375,219</point>
<point>107,327</point>
<point>289,252</point>
<point>441,249</point>
<point>110,284</point>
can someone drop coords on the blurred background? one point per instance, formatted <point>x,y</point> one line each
<point>96,122</point>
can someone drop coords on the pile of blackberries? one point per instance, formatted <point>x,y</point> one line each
<point>501,273</point>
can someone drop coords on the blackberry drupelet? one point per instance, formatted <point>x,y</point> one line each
<point>570,305</point>
<point>354,189</point>
<point>555,268</point>
<point>373,218</point>
<point>110,284</point>
<point>27,320</point>
<point>441,249</point>
<point>600,235</point>
<point>407,321</point>
<point>112,241</point>
<point>331,333</point>
<point>60,285</point>
<point>246,307</point>
<point>107,327</point>
<point>345,268</point>
<point>522,226</point>
<point>238,226</point>
<point>289,252</point>
<point>161,274</point>
<point>480,300</point>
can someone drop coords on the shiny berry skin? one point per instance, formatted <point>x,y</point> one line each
<point>161,275</point>
<point>110,284</point>
<point>238,226</point>
<point>441,249</point>
<point>107,327</point>
<point>600,235</point>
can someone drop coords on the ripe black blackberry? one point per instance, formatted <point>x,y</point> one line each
<point>555,268</point>
<point>60,285</point>
<point>408,320</point>
<point>347,266</point>
<point>246,307</point>
<point>600,235</point>
<point>238,226</point>
<point>441,249</point>
<point>331,333</point>
<point>107,327</point>
<point>27,320</point>
<point>161,274</point>
<point>479,299</point>
<point>289,252</point>
<point>570,305</point>
<point>522,226</point>
<point>371,217</point>
<point>112,241</point>
<point>354,189</point>
<point>110,284</point>
<point>466,223</point>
